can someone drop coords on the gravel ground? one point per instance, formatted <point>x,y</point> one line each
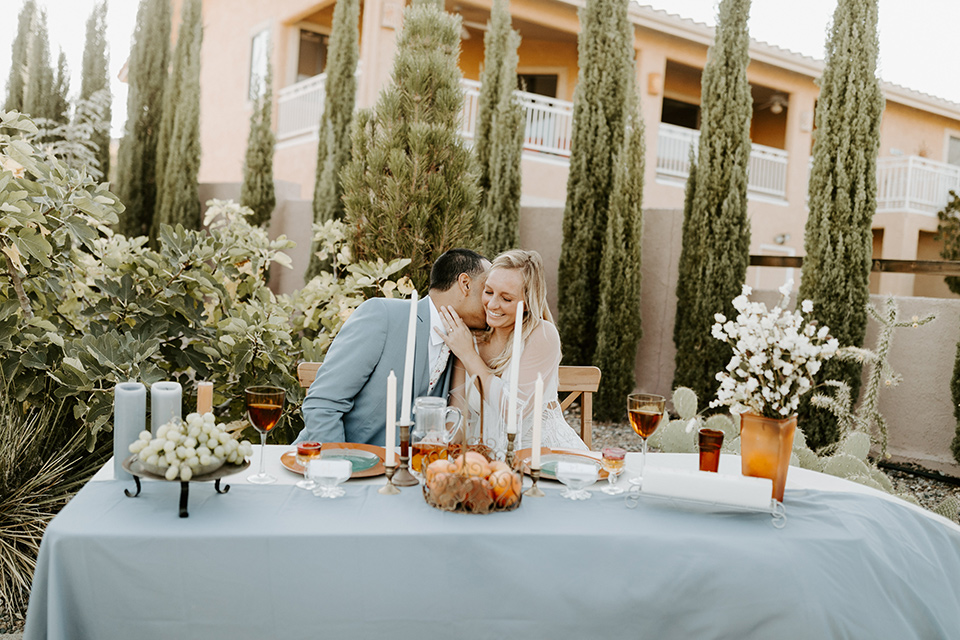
<point>928,492</point>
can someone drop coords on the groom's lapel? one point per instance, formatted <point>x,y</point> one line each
<point>421,364</point>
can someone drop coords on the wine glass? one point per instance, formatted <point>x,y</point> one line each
<point>307,451</point>
<point>645,411</point>
<point>264,408</point>
<point>577,476</point>
<point>328,474</point>
<point>613,464</point>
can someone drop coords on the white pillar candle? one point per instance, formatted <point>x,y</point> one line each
<point>391,419</point>
<point>407,392</point>
<point>165,403</point>
<point>515,369</point>
<point>716,488</point>
<point>129,419</point>
<point>204,397</point>
<point>537,418</point>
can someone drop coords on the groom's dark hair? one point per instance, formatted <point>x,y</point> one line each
<point>451,264</point>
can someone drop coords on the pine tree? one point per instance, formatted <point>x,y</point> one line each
<point>843,196</point>
<point>411,188</point>
<point>618,318</point>
<point>146,76</point>
<point>178,147</point>
<point>333,148</point>
<point>94,76</point>
<point>716,229</point>
<point>38,100</point>
<point>599,115</point>
<point>257,191</point>
<point>499,140</point>
<point>19,57</point>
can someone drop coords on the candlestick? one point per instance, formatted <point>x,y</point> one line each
<point>389,489</point>
<point>129,419</point>
<point>403,476</point>
<point>534,491</point>
<point>204,397</point>
<point>510,438</point>
<point>165,403</point>
<point>515,369</point>
<point>537,418</point>
<point>391,419</point>
<point>407,396</point>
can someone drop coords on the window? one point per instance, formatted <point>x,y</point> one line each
<point>953,150</point>
<point>312,59</point>
<point>681,114</point>
<point>540,84</point>
<point>259,58</point>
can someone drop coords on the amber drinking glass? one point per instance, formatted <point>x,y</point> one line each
<point>307,451</point>
<point>709,442</point>
<point>613,458</point>
<point>645,411</point>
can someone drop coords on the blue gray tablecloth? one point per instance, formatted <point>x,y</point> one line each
<point>277,562</point>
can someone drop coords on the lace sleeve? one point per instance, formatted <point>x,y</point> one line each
<point>541,355</point>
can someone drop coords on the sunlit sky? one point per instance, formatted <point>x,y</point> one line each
<point>917,39</point>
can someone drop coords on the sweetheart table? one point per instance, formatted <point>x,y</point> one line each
<point>277,562</point>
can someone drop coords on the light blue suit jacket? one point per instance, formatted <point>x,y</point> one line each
<point>347,401</point>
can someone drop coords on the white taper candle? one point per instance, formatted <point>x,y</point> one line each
<point>391,419</point>
<point>537,418</point>
<point>515,369</point>
<point>407,394</point>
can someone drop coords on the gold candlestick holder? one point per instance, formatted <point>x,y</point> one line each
<point>510,438</point>
<point>389,489</point>
<point>534,491</point>
<point>403,477</point>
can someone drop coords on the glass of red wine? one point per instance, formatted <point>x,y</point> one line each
<point>645,411</point>
<point>264,408</point>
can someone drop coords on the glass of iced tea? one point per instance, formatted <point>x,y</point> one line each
<point>264,408</point>
<point>613,464</point>
<point>307,451</point>
<point>645,411</point>
<point>709,442</point>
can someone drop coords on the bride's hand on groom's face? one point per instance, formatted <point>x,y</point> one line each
<point>458,336</point>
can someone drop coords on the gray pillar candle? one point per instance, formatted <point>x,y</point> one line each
<point>165,404</point>
<point>129,419</point>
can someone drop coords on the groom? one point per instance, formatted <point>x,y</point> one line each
<point>347,400</point>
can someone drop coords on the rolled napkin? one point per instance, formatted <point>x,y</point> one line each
<point>703,486</point>
<point>129,419</point>
<point>165,403</point>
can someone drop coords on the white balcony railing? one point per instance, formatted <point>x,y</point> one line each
<point>915,185</point>
<point>299,107</point>
<point>766,173</point>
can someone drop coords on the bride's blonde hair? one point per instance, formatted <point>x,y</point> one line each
<point>535,308</point>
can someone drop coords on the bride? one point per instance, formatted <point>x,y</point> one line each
<point>485,360</point>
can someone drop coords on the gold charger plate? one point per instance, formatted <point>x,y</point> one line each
<point>289,459</point>
<point>550,457</point>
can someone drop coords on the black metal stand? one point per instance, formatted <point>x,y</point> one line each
<point>184,493</point>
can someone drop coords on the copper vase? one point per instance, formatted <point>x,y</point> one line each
<point>765,448</point>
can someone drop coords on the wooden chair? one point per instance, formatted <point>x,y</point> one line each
<point>575,381</point>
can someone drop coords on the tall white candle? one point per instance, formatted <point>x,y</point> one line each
<point>391,419</point>
<point>515,369</point>
<point>537,418</point>
<point>129,419</point>
<point>407,392</point>
<point>204,397</point>
<point>165,403</point>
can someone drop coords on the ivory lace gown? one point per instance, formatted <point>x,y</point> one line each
<point>540,354</point>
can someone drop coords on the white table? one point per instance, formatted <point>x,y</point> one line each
<point>276,562</point>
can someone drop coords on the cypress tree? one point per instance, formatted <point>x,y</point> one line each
<point>716,229</point>
<point>95,78</point>
<point>19,56</point>
<point>178,147</point>
<point>499,140</point>
<point>948,232</point>
<point>411,188</point>
<point>599,113</point>
<point>257,191</point>
<point>146,76</point>
<point>843,196</point>
<point>618,323</point>
<point>333,148</point>
<point>59,103</point>
<point>955,392</point>
<point>39,99</point>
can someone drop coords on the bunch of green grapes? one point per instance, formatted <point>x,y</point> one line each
<point>183,449</point>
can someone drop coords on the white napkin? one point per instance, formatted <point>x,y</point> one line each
<point>703,486</point>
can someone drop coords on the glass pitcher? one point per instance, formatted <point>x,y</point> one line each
<point>434,427</point>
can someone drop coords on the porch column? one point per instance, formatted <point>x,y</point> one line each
<point>900,239</point>
<point>382,20</point>
<point>651,72</point>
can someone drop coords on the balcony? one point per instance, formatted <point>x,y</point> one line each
<point>766,174</point>
<point>915,185</point>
